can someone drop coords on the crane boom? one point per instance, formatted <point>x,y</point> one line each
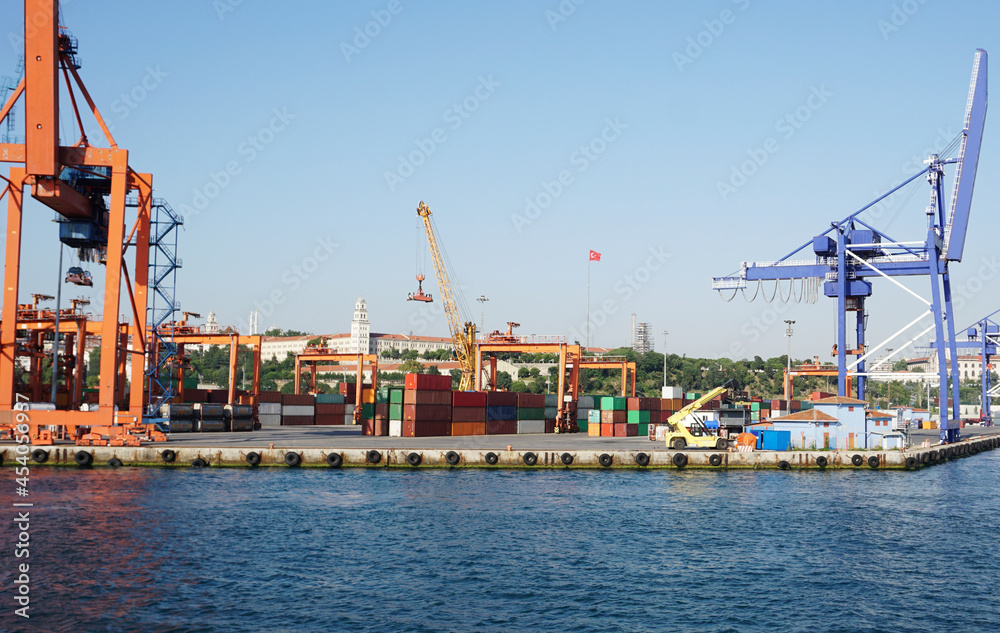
<point>463,336</point>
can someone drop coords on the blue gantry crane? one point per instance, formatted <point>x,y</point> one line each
<point>850,252</point>
<point>983,337</point>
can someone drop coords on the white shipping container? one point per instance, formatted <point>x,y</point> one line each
<point>269,408</point>
<point>530,426</point>
<point>269,419</point>
<point>395,428</point>
<point>673,392</point>
<point>298,409</point>
<point>349,419</point>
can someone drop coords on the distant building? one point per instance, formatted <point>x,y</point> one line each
<point>642,337</point>
<point>359,340</point>
<point>969,367</point>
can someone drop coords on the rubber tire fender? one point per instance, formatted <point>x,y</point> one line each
<point>857,460</point>
<point>373,456</point>
<point>715,459</point>
<point>168,456</point>
<point>680,460</point>
<point>873,461</point>
<point>414,459</point>
<point>933,456</point>
<point>642,459</point>
<point>452,458</point>
<point>605,460</point>
<point>334,460</point>
<point>822,461</point>
<point>292,459</point>
<point>199,463</point>
<point>492,458</point>
<point>114,462</point>
<point>566,459</point>
<point>925,458</point>
<point>83,458</point>
<point>529,458</point>
<point>253,458</point>
<point>910,463</point>
<point>39,456</point>
<point>784,465</point>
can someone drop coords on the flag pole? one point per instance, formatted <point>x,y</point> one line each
<point>588,304</point>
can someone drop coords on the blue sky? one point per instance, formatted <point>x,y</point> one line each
<point>298,147</point>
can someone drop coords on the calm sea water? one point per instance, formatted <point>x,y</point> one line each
<point>321,550</point>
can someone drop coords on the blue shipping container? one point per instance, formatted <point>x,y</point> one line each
<point>498,413</point>
<point>775,440</point>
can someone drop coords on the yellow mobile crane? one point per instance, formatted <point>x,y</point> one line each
<point>463,337</point>
<point>679,437</point>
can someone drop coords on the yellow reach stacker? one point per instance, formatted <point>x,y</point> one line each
<point>680,437</point>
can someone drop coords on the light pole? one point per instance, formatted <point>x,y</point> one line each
<point>664,359</point>
<point>888,386</point>
<point>788,333</point>
<point>482,313</point>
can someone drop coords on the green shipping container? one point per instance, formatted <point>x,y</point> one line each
<point>396,412</point>
<point>189,383</point>
<point>755,406</point>
<point>638,417</point>
<point>643,430</point>
<point>396,397</point>
<point>612,403</point>
<point>594,416</point>
<point>582,425</point>
<point>368,411</point>
<point>329,398</point>
<point>531,413</point>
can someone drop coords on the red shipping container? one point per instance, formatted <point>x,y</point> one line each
<point>382,408</point>
<point>329,409</point>
<point>531,400</point>
<point>468,399</point>
<point>297,399</point>
<point>501,399</point>
<point>269,396</point>
<point>632,404</point>
<point>195,395</point>
<point>368,427</point>
<point>329,420</point>
<point>501,427</point>
<point>631,430</point>
<point>654,404</point>
<point>218,396</point>
<point>381,428</point>
<point>468,414</point>
<point>619,429</point>
<point>430,382</point>
<point>468,428</point>
<point>424,396</point>
<point>550,426</point>
<point>607,430</point>
<point>427,412</point>
<point>426,428</point>
<point>297,420</point>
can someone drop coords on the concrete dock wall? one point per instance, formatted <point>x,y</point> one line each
<point>187,456</point>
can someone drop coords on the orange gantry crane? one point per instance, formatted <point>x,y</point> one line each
<point>313,356</point>
<point>86,185</point>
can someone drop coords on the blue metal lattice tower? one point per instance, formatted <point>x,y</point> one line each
<point>163,305</point>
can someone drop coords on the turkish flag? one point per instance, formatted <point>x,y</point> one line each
<point>595,256</point>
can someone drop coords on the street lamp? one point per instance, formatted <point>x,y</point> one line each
<point>482,313</point>
<point>664,358</point>
<point>888,387</point>
<point>788,333</point>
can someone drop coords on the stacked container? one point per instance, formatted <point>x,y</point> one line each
<point>530,413</point>
<point>468,413</point>
<point>501,413</point>
<point>269,408</point>
<point>641,412</point>
<point>396,412</point>
<point>614,416</point>
<point>584,405</point>
<point>427,405</point>
<point>593,423</point>
<point>297,409</point>
<point>329,409</point>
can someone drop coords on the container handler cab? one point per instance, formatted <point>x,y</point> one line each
<point>679,437</point>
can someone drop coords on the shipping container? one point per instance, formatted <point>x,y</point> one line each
<point>396,411</point>
<point>269,396</point>
<point>613,403</point>
<point>550,426</point>
<point>619,429</point>
<point>501,427</point>
<point>552,400</point>
<point>631,430</point>
<point>396,395</point>
<point>594,429</point>
<point>468,428</point>
<point>530,426</point>
<point>395,428</point>
<point>329,398</point>
<point>501,399</point>
<point>619,416</point>
<point>585,402</point>
<point>415,396</point>
<point>607,430</point>
<point>426,412</point>
<point>639,417</point>
<point>269,419</point>
<point>531,413</point>
<point>468,414</point>
<point>323,408</point>
<point>296,420</point>
<point>303,399</point>
<point>431,382</point>
<point>531,400</point>
<point>468,399</point>
<point>426,428</point>
<point>497,413</point>
<point>325,419</point>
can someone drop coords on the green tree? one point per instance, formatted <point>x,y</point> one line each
<point>519,387</point>
<point>411,366</point>
<point>504,380</point>
<point>433,370</point>
<point>900,365</point>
